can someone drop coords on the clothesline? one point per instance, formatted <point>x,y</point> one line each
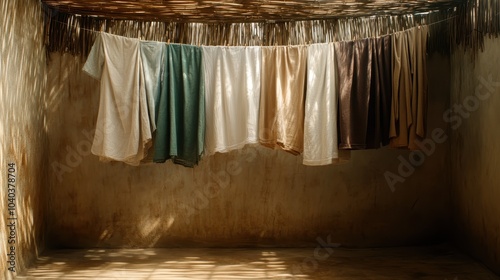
<point>306,44</point>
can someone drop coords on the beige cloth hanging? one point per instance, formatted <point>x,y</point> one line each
<point>409,102</point>
<point>419,99</point>
<point>281,116</point>
<point>123,128</point>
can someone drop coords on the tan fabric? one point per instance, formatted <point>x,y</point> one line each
<point>400,89</point>
<point>419,97</point>
<point>409,103</point>
<point>409,89</point>
<point>281,115</point>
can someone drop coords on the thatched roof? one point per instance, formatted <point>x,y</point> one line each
<point>244,10</point>
<point>71,25</point>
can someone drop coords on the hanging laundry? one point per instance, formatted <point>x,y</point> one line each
<point>232,83</point>
<point>123,130</point>
<point>282,99</point>
<point>364,93</point>
<point>152,61</point>
<point>354,60</point>
<point>180,129</point>
<point>409,100</point>
<point>381,93</point>
<point>401,95</point>
<point>320,124</point>
<point>418,127</point>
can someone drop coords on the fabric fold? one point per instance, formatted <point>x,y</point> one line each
<point>152,58</point>
<point>381,93</point>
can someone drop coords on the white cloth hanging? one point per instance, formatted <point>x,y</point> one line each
<point>123,129</point>
<point>232,84</point>
<point>320,124</point>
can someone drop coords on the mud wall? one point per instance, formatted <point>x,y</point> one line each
<point>252,197</point>
<point>476,152</point>
<point>23,135</point>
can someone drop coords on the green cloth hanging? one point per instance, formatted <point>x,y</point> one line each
<point>180,124</point>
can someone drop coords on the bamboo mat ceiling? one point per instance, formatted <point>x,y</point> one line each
<point>243,10</point>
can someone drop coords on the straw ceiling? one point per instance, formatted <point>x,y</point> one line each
<point>243,10</point>
<point>71,25</point>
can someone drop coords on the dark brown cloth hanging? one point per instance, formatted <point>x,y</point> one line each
<point>364,71</point>
<point>381,93</point>
<point>354,62</point>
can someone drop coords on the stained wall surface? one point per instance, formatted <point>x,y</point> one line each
<point>22,133</point>
<point>476,152</point>
<point>252,197</point>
